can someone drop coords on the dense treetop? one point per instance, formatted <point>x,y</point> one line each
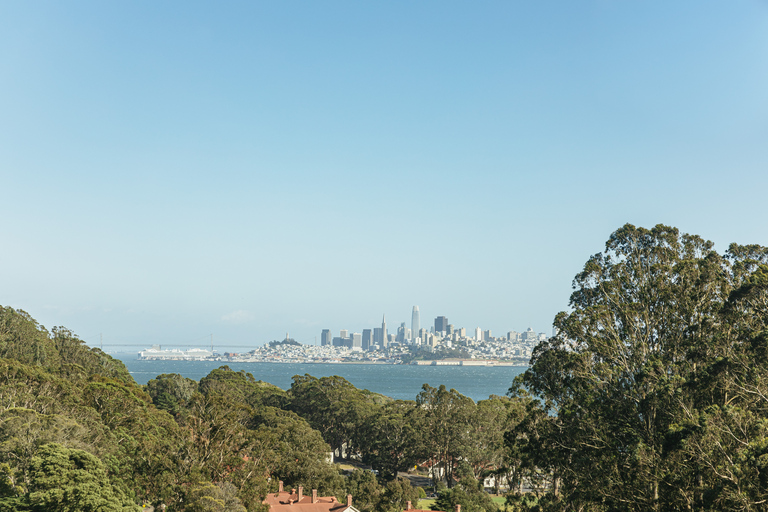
<point>653,390</point>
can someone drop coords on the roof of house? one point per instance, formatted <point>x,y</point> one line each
<point>296,501</point>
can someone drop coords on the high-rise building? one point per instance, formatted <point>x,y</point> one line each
<point>357,341</point>
<point>487,335</point>
<point>529,335</point>
<point>326,338</point>
<point>415,321</point>
<point>479,334</point>
<point>384,335</point>
<point>344,333</point>
<point>400,338</point>
<point>377,337</point>
<point>441,324</point>
<point>367,339</point>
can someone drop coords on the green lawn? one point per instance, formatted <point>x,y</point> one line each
<point>426,503</point>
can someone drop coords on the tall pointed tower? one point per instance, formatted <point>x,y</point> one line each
<point>384,337</point>
<point>415,323</point>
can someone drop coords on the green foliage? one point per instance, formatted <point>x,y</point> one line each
<point>652,391</point>
<point>397,493</point>
<point>208,497</point>
<point>390,440</point>
<point>365,488</point>
<point>297,453</point>
<point>22,339</point>
<point>75,355</point>
<point>332,406</point>
<point>171,392</point>
<point>243,386</point>
<point>469,494</point>
<point>68,480</point>
<point>447,416</point>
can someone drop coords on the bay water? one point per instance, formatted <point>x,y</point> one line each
<point>396,381</point>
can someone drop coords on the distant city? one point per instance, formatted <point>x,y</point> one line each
<point>441,335</point>
<point>442,343</point>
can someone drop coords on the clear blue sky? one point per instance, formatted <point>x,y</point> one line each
<point>170,170</point>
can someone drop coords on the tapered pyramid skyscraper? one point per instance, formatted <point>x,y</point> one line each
<point>415,323</point>
<point>384,337</point>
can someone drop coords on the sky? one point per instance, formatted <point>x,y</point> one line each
<point>176,172</point>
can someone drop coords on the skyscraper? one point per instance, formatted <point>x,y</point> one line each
<point>441,324</point>
<point>325,337</point>
<point>415,323</point>
<point>384,337</point>
<point>401,333</point>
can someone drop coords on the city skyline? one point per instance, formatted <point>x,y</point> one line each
<point>372,335</point>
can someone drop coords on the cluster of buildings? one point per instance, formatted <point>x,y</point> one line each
<point>289,353</point>
<point>442,334</point>
<point>379,345</point>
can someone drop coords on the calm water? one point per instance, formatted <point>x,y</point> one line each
<point>397,381</point>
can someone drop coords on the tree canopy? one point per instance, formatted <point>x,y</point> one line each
<point>653,386</point>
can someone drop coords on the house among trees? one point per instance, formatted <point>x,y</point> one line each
<point>283,501</point>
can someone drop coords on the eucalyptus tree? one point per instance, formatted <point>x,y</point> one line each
<point>70,480</point>
<point>447,418</point>
<point>333,406</point>
<point>391,439</point>
<point>396,495</point>
<point>657,336</point>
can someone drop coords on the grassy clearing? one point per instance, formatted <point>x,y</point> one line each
<point>426,503</point>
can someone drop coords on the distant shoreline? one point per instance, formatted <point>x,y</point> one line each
<point>431,363</point>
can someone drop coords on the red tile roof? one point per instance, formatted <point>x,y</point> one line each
<point>290,502</point>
